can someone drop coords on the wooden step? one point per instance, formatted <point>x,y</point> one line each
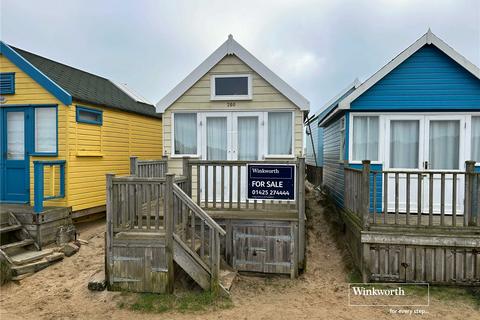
<point>18,244</point>
<point>29,256</point>
<point>5,229</point>
<point>226,278</point>
<point>37,265</point>
<point>192,265</point>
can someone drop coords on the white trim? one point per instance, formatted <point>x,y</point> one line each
<point>350,138</point>
<point>232,47</point>
<point>130,92</point>
<point>427,39</point>
<point>247,96</point>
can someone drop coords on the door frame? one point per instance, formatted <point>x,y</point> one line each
<point>234,145</point>
<point>28,145</point>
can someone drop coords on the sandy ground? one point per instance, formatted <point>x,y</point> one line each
<point>60,291</point>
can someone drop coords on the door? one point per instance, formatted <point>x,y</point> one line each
<point>247,144</point>
<point>404,152</point>
<point>430,144</point>
<point>217,145</point>
<point>444,152</point>
<point>15,155</point>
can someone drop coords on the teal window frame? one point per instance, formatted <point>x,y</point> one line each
<point>7,83</point>
<point>98,113</point>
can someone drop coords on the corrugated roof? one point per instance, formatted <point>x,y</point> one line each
<point>86,87</point>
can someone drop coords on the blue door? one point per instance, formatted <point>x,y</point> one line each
<point>15,154</point>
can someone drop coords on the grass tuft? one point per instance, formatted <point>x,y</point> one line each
<point>184,302</point>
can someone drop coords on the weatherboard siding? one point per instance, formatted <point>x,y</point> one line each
<point>427,79</point>
<point>96,150</point>
<point>316,140</point>
<point>197,99</point>
<point>333,175</point>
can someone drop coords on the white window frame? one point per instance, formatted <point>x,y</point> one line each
<point>343,138</point>
<point>199,139</point>
<point>278,156</point>
<point>230,97</point>
<point>381,127</point>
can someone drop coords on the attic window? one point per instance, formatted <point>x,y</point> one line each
<point>91,116</point>
<point>7,83</point>
<point>231,87</point>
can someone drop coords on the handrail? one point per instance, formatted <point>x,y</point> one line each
<point>239,162</point>
<point>39,181</point>
<point>199,211</point>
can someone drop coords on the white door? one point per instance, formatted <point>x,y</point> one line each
<point>429,144</point>
<point>404,152</point>
<point>247,145</point>
<point>444,152</point>
<point>216,136</point>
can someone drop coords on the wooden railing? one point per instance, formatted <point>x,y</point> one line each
<point>148,168</point>
<point>195,228</point>
<point>222,185</point>
<point>422,198</point>
<point>54,180</point>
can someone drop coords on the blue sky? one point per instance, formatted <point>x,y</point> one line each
<point>318,47</point>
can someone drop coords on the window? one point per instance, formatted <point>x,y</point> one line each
<point>91,116</point>
<point>341,155</point>
<point>280,133</point>
<point>476,139</point>
<point>365,138</point>
<point>7,83</point>
<point>404,144</point>
<point>185,133</point>
<point>46,130</point>
<point>231,87</point>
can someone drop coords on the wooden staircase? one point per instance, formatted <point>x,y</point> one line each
<point>20,250</point>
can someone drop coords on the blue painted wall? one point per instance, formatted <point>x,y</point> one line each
<point>333,175</point>
<point>427,80</point>
<point>378,182</point>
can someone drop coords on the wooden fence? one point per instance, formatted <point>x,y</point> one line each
<point>420,226</point>
<point>148,168</point>
<point>314,174</point>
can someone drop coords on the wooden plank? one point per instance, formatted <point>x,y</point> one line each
<point>454,200</point>
<point>214,186</point>
<point>222,185</point>
<point>239,173</point>
<point>198,185</point>
<point>419,198</point>
<point>385,197</point>
<point>230,189</point>
<point>442,199</point>
<point>397,194</point>
<point>430,200</point>
<point>408,198</point>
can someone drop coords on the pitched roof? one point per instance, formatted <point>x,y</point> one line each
<point>428,38</point>
<point>232,47</point>
<point>84,86</point>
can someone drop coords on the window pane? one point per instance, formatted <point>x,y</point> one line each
<point>476,139</point>
<point>46,130</point>
<point>247,138</point>
<point>185,131</point>
<point>444,144</point>
<point>280,133</point>
<point>217,138</point>
<point>15,135</point>
<point>404,136</point>
<point>365,138</point>
<point>88,116</point>
<point>231,86</point>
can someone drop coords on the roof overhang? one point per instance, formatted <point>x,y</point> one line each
<point>47,83</point>
<point>232,47</point>
<point>428,38</point>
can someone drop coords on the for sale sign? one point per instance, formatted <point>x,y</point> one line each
<point>271,182</point>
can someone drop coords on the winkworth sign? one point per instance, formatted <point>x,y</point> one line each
<point>271,182</point>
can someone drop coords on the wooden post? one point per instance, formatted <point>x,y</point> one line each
<point>469,175</point>
<point>168,220</point>
<point>165,158</point>
<point>133,165</point>
<point>365,192</point>
<point>215,265</point>
<point>187,173</point>
<point>109,233</point>
<point>301,212</point>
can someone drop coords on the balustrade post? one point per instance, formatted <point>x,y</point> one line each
<point>469,176</point>
<point>133,165</point>
<point>109,233</point>
<point>168,220</point>
<point>187,173</point>
<point>38,186</point>
<point>365,192</point>
<point>301,212</point>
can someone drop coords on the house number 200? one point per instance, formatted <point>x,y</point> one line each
<point>230,104</point>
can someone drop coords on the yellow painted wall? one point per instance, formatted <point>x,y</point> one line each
<point>96,150</point>
<point>90,151</point>
<point>197,99</point>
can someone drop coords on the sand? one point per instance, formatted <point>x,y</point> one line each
<point>60,291</point>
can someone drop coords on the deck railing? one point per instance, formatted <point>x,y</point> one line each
<point>422,198</point>
<point>52,182</point>
<point>148,168</point>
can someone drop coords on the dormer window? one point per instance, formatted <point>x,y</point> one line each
<point>231,87</point>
